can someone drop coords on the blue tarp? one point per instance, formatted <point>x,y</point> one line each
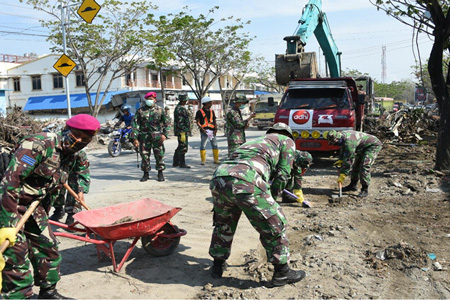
<point>60,101</point>
<point>262,93</point>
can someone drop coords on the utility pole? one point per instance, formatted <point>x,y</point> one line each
<point>383,64</point>
<point>66,78</point>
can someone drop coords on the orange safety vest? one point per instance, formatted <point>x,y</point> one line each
<point>207,123</point>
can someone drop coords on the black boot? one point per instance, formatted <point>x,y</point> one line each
<point>351,187</point>
<point>176,159</point>
<point>50,293</point>
<point>284,275</point>
<point>217,269</point>
<point>183,162</point>
<point>145,176</point>
<point>364,191</point>
<point>160,175</point>
<point>57,214</point>
<point>70,220</point>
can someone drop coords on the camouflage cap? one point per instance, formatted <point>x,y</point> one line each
<point>240,98</point>
<point>302,159</point>
<point>182,97</point>
<point>333,135</point>
<point>280,128</point>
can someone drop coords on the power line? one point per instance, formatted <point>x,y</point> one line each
<point>23,33</point>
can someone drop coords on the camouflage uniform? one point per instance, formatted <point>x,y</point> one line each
<point>36,172</point>
<point>79,181</point>
<point>302,161</point>
<point>191,120</point>
<point>149,124</point>
<point>182,124</point>
<point>235,126</point>
<point>242,185</point>
<point>358,153</point>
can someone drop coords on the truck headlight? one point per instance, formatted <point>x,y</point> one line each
<point>305,134</point>
<point>315,134</point>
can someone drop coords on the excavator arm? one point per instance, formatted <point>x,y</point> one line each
<point>299,64</point>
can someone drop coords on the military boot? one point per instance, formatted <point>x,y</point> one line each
<point>183,162</point>
<point>160,175</point>
<point>70,220</point>
<point>217,269</point>
<point>176,159</point>
<point>364,191</point>
<point>351,187</point>
<point>57,214</point>
<point>145,176</point>
<point>284,275</point>
<point>50,293</point>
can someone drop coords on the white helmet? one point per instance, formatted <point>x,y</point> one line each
<point>206,99</point>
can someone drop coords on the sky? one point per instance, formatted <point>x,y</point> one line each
<point>359,31</point>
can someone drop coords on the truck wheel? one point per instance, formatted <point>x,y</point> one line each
<point>161,246</point>
<point>114,149</point>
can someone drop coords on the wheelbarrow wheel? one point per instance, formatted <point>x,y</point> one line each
<point>161,246</point>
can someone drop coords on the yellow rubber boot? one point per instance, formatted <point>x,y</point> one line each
<point>216,156</point>
<point>203,156</point>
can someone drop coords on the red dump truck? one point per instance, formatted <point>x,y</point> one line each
<point>312,107</point>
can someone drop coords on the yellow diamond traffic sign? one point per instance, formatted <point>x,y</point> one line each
<point>88,10</point>
<point>64,65</point>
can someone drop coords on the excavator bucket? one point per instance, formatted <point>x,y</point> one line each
<point>292,66</point>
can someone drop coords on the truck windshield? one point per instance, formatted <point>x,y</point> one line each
<point>323,98</point>
<point>263,107</point>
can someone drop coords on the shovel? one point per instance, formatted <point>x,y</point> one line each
<point>337,198</point>
<point>69,189</point>
<point>19,225</point>
<point>304,202</point>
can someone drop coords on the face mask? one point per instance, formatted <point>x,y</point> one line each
<point>149,102</point>
<point>71,143</point>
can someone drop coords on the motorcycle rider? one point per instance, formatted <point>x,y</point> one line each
<point>126,117</point>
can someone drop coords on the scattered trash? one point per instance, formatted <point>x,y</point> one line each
<point>428,190</point>
<point>397,184</point>
<point>432,256</point>
<point>437,266</point>
<point>381,255</point>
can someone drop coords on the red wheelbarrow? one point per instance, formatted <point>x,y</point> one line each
<point>145,219</point>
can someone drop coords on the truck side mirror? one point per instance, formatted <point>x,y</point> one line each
<point>270,101</point>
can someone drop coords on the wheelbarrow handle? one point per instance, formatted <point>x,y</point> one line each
<point>19,225</point>
<point>75,196</point>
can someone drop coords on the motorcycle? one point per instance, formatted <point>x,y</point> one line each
<point>119,141</point>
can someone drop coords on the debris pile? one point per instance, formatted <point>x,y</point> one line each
<point>16,125</point>
<point>401,256</point>
<point>408,126</point>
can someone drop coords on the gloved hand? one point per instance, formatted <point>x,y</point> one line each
<point>182,137</point>
<point>341,178</point>
<point>338,163</point>
<point>8,233</point>
<point>299,194</point>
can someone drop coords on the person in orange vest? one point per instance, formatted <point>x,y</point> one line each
<point>206,122</point>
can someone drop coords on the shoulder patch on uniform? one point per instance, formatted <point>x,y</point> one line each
<point>28,160</point>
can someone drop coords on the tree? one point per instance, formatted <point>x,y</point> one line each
<point>263,73</point>
<point>113,46</point>
<point>423,77</point>
<point>398,90</point>
<point>431,17</point>
<point>204,49</point>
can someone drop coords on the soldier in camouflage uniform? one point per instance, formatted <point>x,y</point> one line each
<point>241,184</point>
<point>235,125</point>
<point>150,128</point>
<point>358,153</point>
<point>302,161</point>
<point>182,130</point>
<point>79,181</point>
<point>40,165</point>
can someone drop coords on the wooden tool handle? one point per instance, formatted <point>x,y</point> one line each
<point>19,225</point>
<point>75,196</point>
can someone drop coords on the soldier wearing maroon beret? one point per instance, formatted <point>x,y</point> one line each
<point>39,167</point>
